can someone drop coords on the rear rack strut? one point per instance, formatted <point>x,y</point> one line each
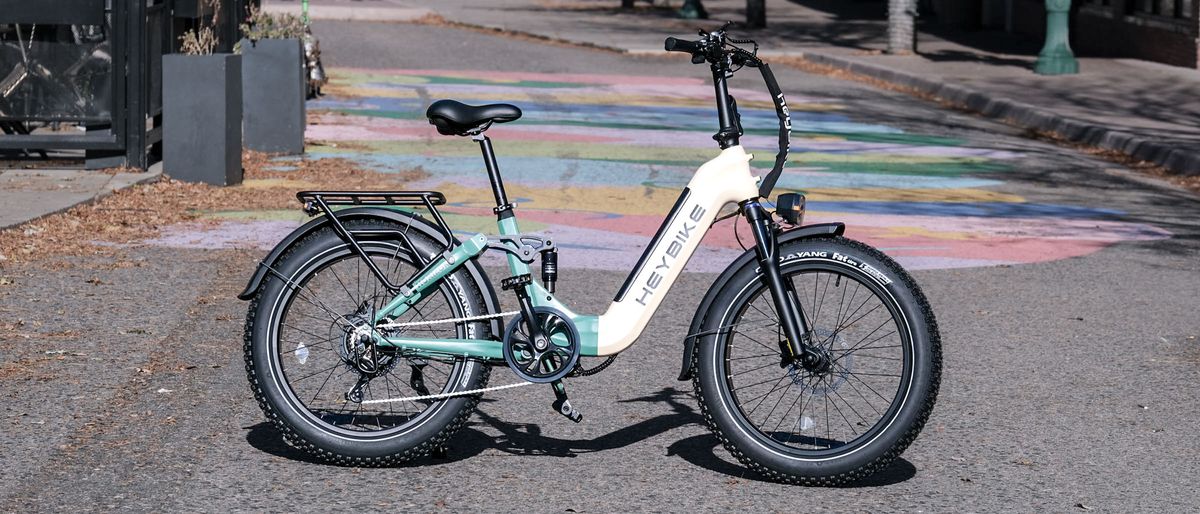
<point>318,202</point>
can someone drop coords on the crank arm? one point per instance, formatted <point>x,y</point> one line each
<point>562,405</point>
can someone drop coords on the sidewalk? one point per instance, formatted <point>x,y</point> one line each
<point>1143,109</point>
<point>29,194</point>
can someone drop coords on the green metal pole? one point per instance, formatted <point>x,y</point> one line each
<point>1056,57</point>
<point>304,11</point>
<point>693,10</point>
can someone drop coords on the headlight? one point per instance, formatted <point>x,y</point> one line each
<point>790,207</point>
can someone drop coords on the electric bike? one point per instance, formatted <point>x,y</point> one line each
<point>372,329</point>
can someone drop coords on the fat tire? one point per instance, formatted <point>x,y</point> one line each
<point>431,435</point>
<point>881,451</point>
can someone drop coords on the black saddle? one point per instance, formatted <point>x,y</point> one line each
<point>459,119</point>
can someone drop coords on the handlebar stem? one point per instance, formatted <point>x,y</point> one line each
<point>728,134</point>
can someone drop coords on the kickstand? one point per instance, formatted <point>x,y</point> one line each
<point>562,405</point>
<point>416,379</point>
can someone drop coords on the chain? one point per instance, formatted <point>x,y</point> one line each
<point>448,395</point>
<point>450,320</point>
<point>454,394</point>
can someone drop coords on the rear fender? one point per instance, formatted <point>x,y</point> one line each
<point>358,213</point>
<point>694,331</point>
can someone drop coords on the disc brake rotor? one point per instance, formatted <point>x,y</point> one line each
<point>828,382</point>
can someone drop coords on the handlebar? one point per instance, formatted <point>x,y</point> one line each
<point>680,45</point>
<point>726,57</point>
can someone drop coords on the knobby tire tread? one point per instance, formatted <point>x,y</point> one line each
<point>292,439</point>
<point>895,450</point>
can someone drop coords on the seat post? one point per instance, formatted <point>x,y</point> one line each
<point>503,208</point>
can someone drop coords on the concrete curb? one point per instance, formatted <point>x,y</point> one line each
<point>1174,157</point>
<point>115,183</point>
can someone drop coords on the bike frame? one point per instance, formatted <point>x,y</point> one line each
<point>724,180</point>
<point>721,181</point>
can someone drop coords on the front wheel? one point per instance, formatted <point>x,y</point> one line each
<point>839,424</point>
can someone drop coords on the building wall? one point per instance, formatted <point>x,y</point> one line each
<point>1119,30</point>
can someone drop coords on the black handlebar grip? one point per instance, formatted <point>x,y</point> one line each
<point>679,45</point>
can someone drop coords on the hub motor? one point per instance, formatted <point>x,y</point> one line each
<point>358,350</point>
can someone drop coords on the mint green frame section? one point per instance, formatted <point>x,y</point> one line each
<point>478,348</point>
<point>588,326</point>
<point>445,264</point>
<point>437,269</point>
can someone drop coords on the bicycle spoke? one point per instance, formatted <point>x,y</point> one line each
<point>848,396</point>
<point>328,375</point>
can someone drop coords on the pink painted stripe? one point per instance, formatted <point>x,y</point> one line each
<point>974,226</point>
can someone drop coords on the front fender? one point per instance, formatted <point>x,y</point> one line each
<point>416,222</point>
<point>689,342</point>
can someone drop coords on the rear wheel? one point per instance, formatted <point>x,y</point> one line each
<point>315,379</point>
<point>834,425</point>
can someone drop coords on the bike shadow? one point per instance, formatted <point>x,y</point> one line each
<point>527,439</point>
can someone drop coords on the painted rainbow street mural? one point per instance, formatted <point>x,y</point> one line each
<point>597,160</point>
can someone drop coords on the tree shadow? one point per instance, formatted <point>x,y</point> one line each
<point>975,57</point>
<point>527,439</point>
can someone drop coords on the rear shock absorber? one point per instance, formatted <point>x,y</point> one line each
<point>550,268</point>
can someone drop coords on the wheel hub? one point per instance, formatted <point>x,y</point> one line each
<point>358,349</point>
<point>828,373</point>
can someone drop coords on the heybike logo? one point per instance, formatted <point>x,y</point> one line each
<point>787,114</point>
<point>672,254</point>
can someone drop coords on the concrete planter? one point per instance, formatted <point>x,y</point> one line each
<point>202,118</point>
<point>273,95</point>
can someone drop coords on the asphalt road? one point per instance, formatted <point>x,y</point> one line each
<point>1066,383</point>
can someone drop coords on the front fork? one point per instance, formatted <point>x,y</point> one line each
<point>797,347</point>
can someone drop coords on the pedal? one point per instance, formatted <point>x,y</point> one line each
<point>562,405</point>
<point>515,282</point>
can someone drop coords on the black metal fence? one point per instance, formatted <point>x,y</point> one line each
<point>95,66</point>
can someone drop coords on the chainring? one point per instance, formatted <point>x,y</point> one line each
<point>550,364</point>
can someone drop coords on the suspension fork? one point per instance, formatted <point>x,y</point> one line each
<point>797,347</point>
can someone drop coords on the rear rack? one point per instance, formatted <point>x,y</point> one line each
<point>320,202</point>
<point>423,198</point>
<point>316,202</point>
